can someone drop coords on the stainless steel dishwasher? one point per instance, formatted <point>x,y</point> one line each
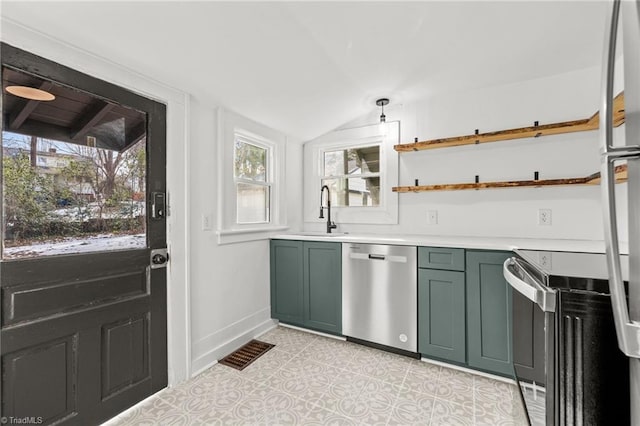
<point>379,294</point>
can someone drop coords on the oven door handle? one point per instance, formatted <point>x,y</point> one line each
<point>525,284</point>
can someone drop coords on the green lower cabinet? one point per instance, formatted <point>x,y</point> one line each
<point>306,284</point>
<point>323,286</point>
<point>441,314</point>
<point>488,313</point>
<point>287,274</point>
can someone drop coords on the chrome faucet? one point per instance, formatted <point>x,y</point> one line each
<point>330,225</point>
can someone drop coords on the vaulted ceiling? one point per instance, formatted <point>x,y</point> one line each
<point>305,68</point>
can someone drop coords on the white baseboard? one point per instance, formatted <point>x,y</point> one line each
<point>469,370</point>
<point>208,350</point>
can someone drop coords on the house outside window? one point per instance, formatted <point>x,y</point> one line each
<point>360,167</point>
<point>252,175</point>
<point>353,176</point>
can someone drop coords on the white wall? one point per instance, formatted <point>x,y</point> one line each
<point>513,212</point>
<point>230,299</point>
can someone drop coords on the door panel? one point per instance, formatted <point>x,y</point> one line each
<point>84,333</point>
<point>441,314</point>
<point>287,281</point>
<point>323,286</point>
<point>488,312</point>
<point>43,375</point>
<point>28,291</point>
<point>494,325</point>
<point>125,347</point>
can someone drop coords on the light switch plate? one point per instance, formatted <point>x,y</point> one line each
<point>207,222</point>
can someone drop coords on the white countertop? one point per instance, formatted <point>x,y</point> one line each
<point>486,243</point>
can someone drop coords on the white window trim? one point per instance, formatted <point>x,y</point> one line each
<point>228,230</point>
<point>387,211</point>
<point>268,182</point>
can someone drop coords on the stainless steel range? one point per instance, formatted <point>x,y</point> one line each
<point>565,355</point>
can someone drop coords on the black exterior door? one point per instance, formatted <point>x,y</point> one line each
<point>83,333</point>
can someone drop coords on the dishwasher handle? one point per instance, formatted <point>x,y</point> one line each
<point>522,281</point>
<point>383,257</point>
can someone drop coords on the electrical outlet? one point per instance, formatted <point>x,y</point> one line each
<point>207,220</point>
<point>544,258</point>
<point>432,217</point>
<point>544,217</point>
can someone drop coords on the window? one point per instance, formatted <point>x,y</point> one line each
<point>69,195</point>
<point>360,167</point>
<point>252,201</point>
<point>253,184</point>
<point>353,176</point>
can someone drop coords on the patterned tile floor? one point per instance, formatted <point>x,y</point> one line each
<point>313,380</point>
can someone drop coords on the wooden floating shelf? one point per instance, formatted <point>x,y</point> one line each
<point>583,125</point>
<point>594,179</point>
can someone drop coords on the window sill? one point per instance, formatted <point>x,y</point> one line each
<point>232,236</point>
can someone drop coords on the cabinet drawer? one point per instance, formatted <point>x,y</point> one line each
<point>441,258</point>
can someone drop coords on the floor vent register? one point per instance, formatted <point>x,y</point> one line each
<point>247,354</point>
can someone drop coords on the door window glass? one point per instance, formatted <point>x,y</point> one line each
<point>73,171</point>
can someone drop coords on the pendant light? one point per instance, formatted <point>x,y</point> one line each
<point>383,118</point>
<point>381,103</point>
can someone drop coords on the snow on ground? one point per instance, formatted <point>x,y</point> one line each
<point>125,210</point>
<point>102,242</point>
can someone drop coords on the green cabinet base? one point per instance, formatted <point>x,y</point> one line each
<point>323,286</point>
<point>287,273</point>
<point>441,314</point>
<point>306,284</point>
<point>488,313</point>
<point>464,309</point>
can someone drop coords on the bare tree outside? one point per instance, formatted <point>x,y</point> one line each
<point>55,192</point>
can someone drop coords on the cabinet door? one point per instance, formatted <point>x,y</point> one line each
<point>441,314</point>
<point>323,286</point>
<point>287,281</point>
<point>488,313</point>
<point>528,339</point>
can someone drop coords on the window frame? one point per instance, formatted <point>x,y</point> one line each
<point>268,176</point>
<point>387,211</point>
<point>228,230</point>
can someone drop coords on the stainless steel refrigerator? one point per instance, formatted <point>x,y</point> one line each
<point>626,15</point>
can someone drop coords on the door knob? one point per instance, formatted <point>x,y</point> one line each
<point>159,258</point>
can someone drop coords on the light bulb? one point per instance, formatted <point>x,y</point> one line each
<point>382,128</point>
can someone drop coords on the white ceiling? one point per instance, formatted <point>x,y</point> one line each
<point>305,68</point>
